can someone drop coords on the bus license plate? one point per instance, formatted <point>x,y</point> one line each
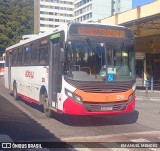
<point>107,108</point>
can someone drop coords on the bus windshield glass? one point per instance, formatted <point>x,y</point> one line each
<point>93,61</point>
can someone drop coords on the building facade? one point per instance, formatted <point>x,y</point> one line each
<point>93,10</point>
<point>49,14</point>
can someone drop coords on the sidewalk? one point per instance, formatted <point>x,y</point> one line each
<point>143,95</point>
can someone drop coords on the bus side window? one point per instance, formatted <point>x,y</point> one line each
<point>14,57</point>
<point>7,59</point>
<point>43,51</point>
<point>19,56</point>
<point>43,56</point>
<point>26,53</point>
<point>34,53</point>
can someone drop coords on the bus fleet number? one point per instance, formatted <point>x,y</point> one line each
<point>120,96</point>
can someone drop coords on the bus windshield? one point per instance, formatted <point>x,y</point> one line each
<point>94,61</point>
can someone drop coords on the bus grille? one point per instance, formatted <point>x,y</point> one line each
<point>102,87</point>
<point>105,107</point>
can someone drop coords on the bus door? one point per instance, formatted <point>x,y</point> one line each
<point>55,67</point>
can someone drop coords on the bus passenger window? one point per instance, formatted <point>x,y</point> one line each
<point>26,52</point>
<point>7,59</point>
<point>43,56</point>
<point>19,56</point>
<point>34,53</point>
<point>14,57</point>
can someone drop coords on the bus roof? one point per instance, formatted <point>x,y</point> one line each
<point>41,35</point>
<point>60,28</point>
<point>103,24</point>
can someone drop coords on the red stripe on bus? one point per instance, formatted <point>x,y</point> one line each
<point>28,99</point>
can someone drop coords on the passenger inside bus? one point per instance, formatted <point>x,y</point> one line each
<point>81,57</point>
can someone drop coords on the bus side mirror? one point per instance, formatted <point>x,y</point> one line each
<point>62,55</point>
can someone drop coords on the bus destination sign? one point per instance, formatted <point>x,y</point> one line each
<point>104,32</point>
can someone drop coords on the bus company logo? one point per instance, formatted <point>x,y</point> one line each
<point>29,74</point>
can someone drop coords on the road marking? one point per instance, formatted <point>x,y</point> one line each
<point>90,139</point>
<point>140,99</point>
<point>107,136</point>
<point>120,149</point>
<point>155,100</point>
<point>139,140</point>
<point>82,149</point>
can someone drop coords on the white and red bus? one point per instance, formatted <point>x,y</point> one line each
<point>78,69</point>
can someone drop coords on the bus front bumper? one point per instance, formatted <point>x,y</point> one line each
<point>74,108</point>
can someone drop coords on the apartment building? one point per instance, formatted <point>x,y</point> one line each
<point>93,10</point>
<point>49,14</point>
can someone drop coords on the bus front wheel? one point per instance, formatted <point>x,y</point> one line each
<point>47,111</point>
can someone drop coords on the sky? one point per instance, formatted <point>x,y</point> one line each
<point>136,3</point>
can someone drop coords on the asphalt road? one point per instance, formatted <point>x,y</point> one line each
<point>26,122</point>
<point>19,126</point>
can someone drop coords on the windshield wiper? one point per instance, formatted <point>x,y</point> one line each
<point>93,47</point>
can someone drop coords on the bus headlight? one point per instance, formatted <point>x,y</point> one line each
<point>73,96</point>
<point>134,87</point>
<point>131,96</point>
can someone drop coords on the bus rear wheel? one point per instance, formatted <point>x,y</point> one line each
<point>15,92</point>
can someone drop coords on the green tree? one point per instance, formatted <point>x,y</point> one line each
<point>16,20</point>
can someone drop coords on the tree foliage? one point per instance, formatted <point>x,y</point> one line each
<point>16,20</point>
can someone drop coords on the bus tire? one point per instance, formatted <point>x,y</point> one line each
<point>44,101</point>
<point>48,112</point>
<point>42,94</point>
<point>15,91</point>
